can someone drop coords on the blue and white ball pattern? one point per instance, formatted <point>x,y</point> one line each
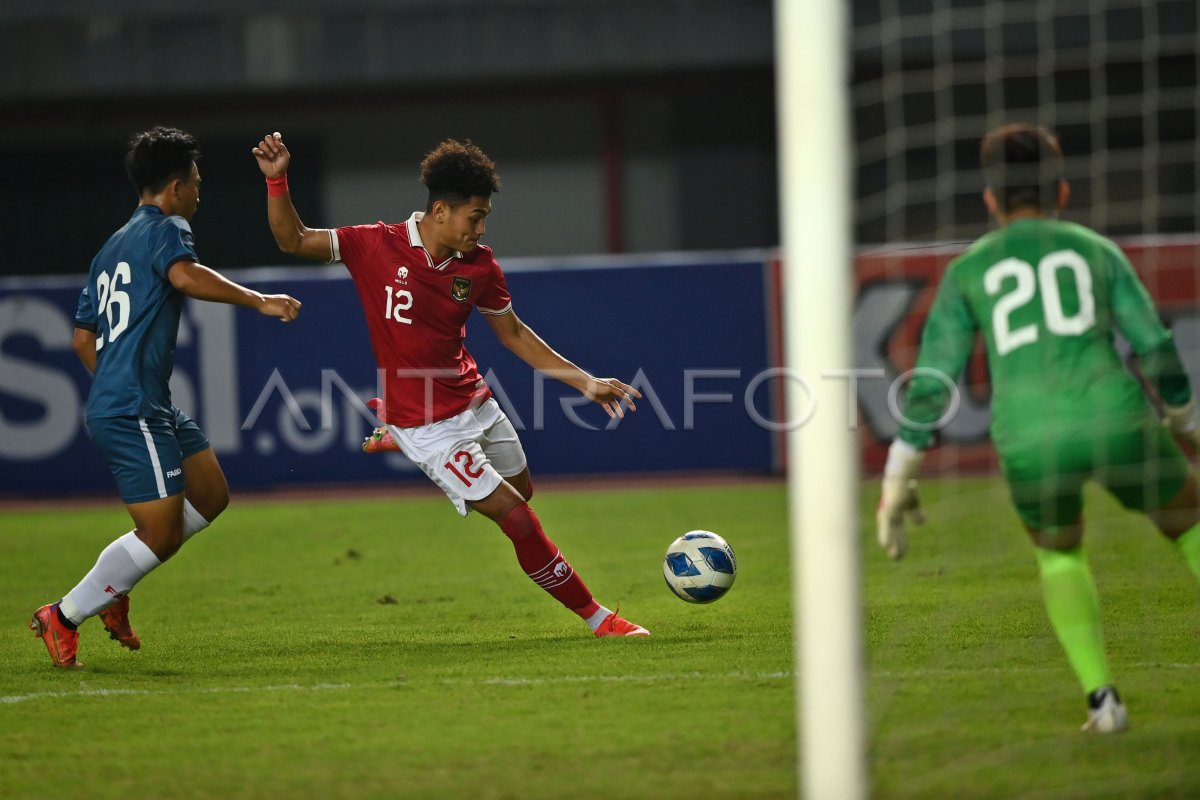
<point>700,567</point>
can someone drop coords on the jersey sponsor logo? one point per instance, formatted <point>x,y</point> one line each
<point>460,289</point>
<point>402,274</point>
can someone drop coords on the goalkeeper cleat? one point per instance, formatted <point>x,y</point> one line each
<point>61,641</point>
<point>616,625</point>
<point>1106,712</point>
<point>116,622</point>
<point>380,441</point>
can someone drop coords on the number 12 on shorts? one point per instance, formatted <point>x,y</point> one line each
<point>467,461</point>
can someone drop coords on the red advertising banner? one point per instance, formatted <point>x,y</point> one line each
<point>894,289</point>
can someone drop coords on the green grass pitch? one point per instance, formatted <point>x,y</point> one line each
<point>270,667</point>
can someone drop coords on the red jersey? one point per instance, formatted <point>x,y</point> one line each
<point>417,312</point>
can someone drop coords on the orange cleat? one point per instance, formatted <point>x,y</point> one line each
<point>616,625</point>
<point>61,641</point>
<point>116,622</point>
<point>380,441</point>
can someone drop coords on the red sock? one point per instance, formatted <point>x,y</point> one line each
<point>543,562</point>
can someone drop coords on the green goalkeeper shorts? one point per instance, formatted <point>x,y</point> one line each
<point>1140,464</point>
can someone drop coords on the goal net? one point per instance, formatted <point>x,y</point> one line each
<point>1116,80</point>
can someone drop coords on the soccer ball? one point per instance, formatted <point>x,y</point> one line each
<point>700,567</point>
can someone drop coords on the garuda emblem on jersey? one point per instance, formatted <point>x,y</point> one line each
<point>460,289</point>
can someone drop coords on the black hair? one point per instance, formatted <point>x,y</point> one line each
<point>158,156</point>
<point>457,171</point>
<point>1023,166</point>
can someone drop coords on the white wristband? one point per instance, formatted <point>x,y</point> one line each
<point>1185,418</point>
<point>903,460</point>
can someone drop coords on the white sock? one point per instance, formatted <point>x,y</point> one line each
<point>118,569</point>
<point>595,619</point>
<point>192,521</point>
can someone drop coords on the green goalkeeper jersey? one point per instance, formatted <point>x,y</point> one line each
<point>1048,297</point>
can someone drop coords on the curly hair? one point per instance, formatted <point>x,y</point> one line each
<point>456,171</point>
<point>158,156</point>
<point>1023,166</point>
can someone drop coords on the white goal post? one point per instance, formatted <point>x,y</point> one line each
<point>811,44</point>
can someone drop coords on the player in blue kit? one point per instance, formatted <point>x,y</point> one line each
<point>125,330</point>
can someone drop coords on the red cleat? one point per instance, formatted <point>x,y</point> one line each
<point>116,622</point>
<point>61,641</point>
<point>616,625</point>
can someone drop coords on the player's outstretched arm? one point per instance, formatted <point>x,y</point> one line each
<point>290,233</point>
<point>898,497</point>
<point>198,281</point>
<point>611,394</point>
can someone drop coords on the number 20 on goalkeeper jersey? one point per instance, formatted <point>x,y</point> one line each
<point>1048,297</point>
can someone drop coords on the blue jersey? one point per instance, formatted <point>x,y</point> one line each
<point>134,310</point>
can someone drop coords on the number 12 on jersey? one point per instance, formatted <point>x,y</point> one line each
<point>398,300</point>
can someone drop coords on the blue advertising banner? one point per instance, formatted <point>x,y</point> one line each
<point>284,404</point>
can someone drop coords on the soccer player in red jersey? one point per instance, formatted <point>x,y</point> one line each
<point>418,281</point>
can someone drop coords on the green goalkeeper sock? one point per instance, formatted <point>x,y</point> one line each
<point>1189,545</point>
<point>1074,612</point>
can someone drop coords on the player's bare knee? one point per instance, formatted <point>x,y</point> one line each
<point>215,505</point>
<point>497,505</point>
<point>209,504</point>
<point>1065,538</point>
<point>522,484</point>
<point>206,487</point>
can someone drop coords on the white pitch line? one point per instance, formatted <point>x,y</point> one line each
<point>291,687</point>
<point>950,672</point>
<point>517,680</point>
<point>496,681</point>
<point>679,676</point>
<point>21,698</point>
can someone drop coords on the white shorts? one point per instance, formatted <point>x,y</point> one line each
<point>467,455</point>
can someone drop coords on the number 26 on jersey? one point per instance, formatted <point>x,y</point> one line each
<point>113,302</point>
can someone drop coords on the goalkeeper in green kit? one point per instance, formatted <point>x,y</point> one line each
<point>1048,296</point>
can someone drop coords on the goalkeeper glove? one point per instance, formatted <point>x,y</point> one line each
<point>899,497</point>
<point>1184,421</point>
